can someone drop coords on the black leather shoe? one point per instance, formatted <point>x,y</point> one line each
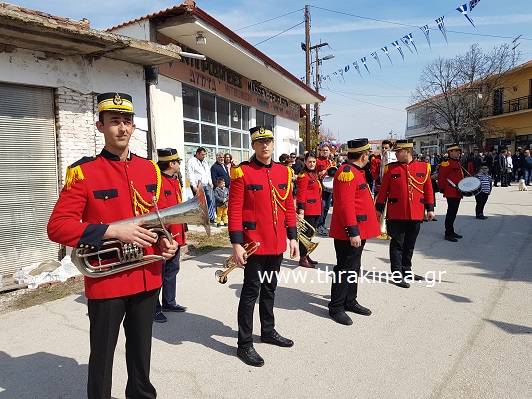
<point>358,308</point>
<point>456,235</point>
<point>482,217</point>
<point>402,283</point>
<point>160,318</point>
<point>451,238</point>
<point>250,356</point>
<point>434,220</point>
<point>174,308</point>
<point>342,318</point>
<point>275,339</point>
<point>311,261</point>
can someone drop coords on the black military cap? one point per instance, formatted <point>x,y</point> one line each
<point>261,132</point>
<point>358,145</point>
<point>115,102</point>
<point>167,155</point>
<point>455,146</point>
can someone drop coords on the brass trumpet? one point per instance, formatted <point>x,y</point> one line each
<point>115,256</point>
<point>230,265</point>
<point>306,239</point>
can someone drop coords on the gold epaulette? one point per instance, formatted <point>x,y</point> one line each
<point>236,172</point>
<point>73,174</point>
<point>301,175</point>
<point>445,164</point>
<point>346,175</point>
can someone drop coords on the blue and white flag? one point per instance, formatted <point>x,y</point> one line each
<point>385,50</point>
<point>441,27</point>
<point>342,74</point>
<point>396,44</point>
<point>336,74</point>
<point>472,4</point>
<point>346,68</point>
<point>355,64</point>
<point>409,40</point>
<point>463,10</point>
<point>363,59</point>
<point>425,30</point>
<point>404,39</point>
<point>374,55</point>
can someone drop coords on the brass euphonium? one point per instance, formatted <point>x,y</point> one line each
<point>305,233</point>
<point>230,265</point>
<point>124,256</point>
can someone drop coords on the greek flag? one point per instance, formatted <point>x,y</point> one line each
<point>472,4</point>
<point>355,64</point>
<point>441,27</point>
<point>404,39</point>
<point>410,40</point>
<point>374,55</point>
<point>463,10</point>
<point>385,50</point>
<point>363,59</point>
<point>396,44</point>
<point>425,30</point>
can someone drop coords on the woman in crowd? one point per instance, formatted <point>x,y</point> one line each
<point>309,204</point>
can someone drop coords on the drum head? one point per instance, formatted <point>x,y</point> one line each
<point>328,183</point>
<point>469,186</point>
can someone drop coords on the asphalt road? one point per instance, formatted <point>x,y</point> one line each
<point>466,336</point>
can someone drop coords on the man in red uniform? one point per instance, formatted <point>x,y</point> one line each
<point>354,220</point>
<point>323,163</point>
<point>375,165</point>
<point>261,210</point>
<point>115,185</point>
<point>449,174</point>
<point>407,187</point>
<point>169,162</point>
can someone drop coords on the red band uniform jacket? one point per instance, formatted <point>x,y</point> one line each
<point>452,170</point>
<point>408,189</point>
<point>261,206</point>
<point>322,164</point>
<point>309,193</point>
<point>353,212</point>
<point>171,189</point>
<point>98,191</point>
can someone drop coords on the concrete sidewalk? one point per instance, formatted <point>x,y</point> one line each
<point>467,336</point>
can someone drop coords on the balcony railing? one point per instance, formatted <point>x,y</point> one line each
<point>509,106</point>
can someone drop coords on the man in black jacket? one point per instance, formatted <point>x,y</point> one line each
<point>220,169</point>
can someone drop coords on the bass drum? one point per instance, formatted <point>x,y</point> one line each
<point>469,186</point>
<point>328,182</point>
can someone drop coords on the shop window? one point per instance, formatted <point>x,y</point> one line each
<point>222,110</point>
<point>223,137</point>
<point>190,103</point>
<point>236,115</point>
<point>207,108</point>
<point>264,119</point>
<point>191,132</point>
<point>208,134</point>
<point>236,139</point>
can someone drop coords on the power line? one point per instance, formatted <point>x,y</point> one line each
<point>280,33</point>
<point>365,102</point>
<point>268,20</point>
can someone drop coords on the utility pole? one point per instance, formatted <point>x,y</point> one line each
<point>307,75</point>
<point>317,105</point>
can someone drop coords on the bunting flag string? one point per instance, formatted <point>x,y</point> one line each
<point>374,55</point>
<point>396,44</point>
<point>385,50</point>
<point>472,4</point>
<point>441,27</point>
<point>425,30</point>
<point>407,40</point>
<point>363,59</point>
<point>463,10</point>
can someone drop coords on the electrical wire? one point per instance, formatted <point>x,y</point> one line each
<point>268,20</point>
<point>280,33</point>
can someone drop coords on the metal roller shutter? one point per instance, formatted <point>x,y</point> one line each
<point>28,175</point>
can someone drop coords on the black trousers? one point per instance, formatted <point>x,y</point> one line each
<point>481,199</point>
<point>450,217</point>
<point>344,285</point>
<point>105,317</point>
<point>170,269</point>
<point>404,235</point>
<point>313,221</point>
<point>257,267</point>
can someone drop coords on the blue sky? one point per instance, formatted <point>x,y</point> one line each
<point>371,105</point>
